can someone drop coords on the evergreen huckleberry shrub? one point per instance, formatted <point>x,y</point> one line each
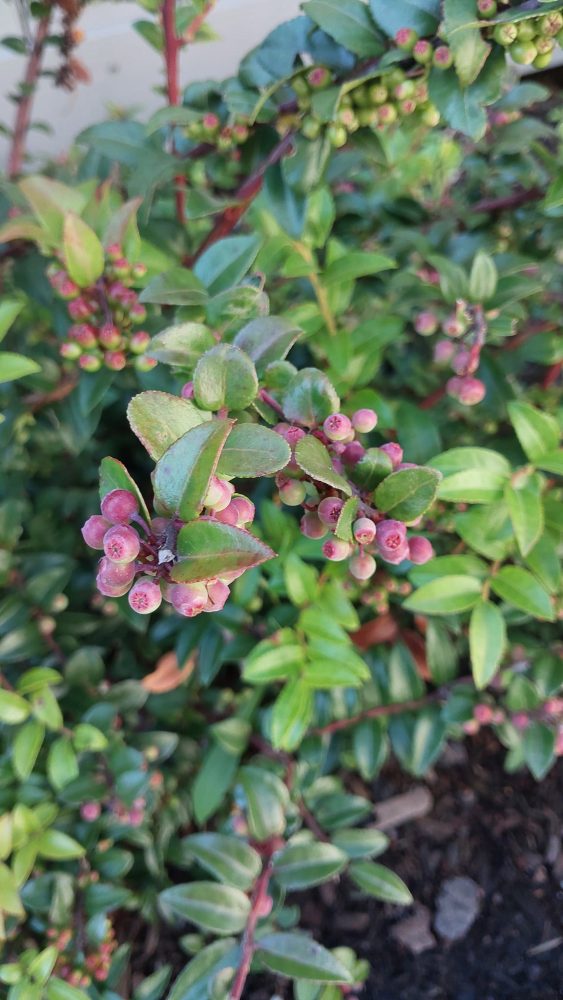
<point>281,432</point>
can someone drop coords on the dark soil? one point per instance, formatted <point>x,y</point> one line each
<point>504,832</point>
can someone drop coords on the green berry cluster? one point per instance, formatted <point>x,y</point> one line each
<point>530,42</point>
<point>212,130</point>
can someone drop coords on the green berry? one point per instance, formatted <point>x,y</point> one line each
<point>505,34</point>
<point>486,8</point>
<point>300,86</point>
<point>551,24</point>
<point>337,135</point>
<point>310,127</point>
<point>543,60</point>
<point>378,94</point>
<point>318,78</point>
<point>523,53</point>
<point>544,46</point>
<point>431,116</point>
<point>526,31</point>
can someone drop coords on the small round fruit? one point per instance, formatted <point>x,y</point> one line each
<point>145,596</point>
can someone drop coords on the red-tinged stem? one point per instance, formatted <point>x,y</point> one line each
<point>271,402</point>
<point>514,200</point>
<point>23,113</point>
<point>433,398</point>
<point>552,375</point>
<point>192,29</point>
<point>248,944</point>
<point>245,195</point>
<point>171,50</point>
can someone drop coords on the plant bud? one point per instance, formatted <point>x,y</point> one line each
<point>218,593</point>
<point>329,511</point>
<point>353,452</point>
<point>94,531</point>
<point>245,510</point>
<point>422,51</point>
<point>318,78</point>
<point>523,53</point>
<point>145,596</point>
<point>420,550</point>
<point>119,506</point>
<point>391,538</point>
<point>337,427</point>
<point>138,313</point>
<point>109,336</point>
<point>121,544</point>
<point>406,39</point>
<point>487,8</point>
<point>90,811</point>
<point>394,452</point>
<point>219,494</point>
<point>187,391</point>
<point>443,352</point>
<point>363,566</point>
<point>505,34</point>
<point>145,364</point>
<point>70,350</point>
<point>138,270</point>
<point>442,57</point>
<point>364,531</point>
<point>364,420</point>
<point>139,342</point>
<point>551,24</point>
<point>386,115</point>
<point>115,360</point>
<point>336,550</point>
<point>90,363</point>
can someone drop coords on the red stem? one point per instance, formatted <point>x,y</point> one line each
<point>23,113</point>
<point>256,909</point>
<point>433,398</point>
<point>379,711</point>
<point>552,374</point>
<point>513,200</point>
<point>171,49</point>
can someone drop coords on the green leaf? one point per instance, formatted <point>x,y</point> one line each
<point>537,432</point>
<point>301,580</point>
<point>526,513</point>
<point>298,956</point>
<point>220,909</point>
<point>380,882</point>
<point>208,548</point>
<point>59,989</point>
<point>176,287</point>
<point>181,345</point>
<point>159,419</point>
<point>26,747</point>
<point>349,24</point>
<point>364,843</point>
<point>114,476</point>
<point>273,661</point>
<point>544,562</point>
<point>312,456</point>
<point>267,799</point>
<point>449,595</point>
<point>483,276</point>
<point>488,530</point>
<point>464,37</point>
<point>551,462</point>
<point>13,366</point>
<point>267,339</point>
<point>481,459</point>
<point>487,642</point>
<point>408,493</point>
<point>41,967</point>
<point>463,108</point>
<point>538,744</point>
<point>310,398</point>
<point>213,780</point>
<point>348,515</point>
<point>197,977</point>
<point>181,476</point>
<point>349,670</point>
<point>226,262</point>
<point>13,708</point>
<point>473,486</point>
<point>291,715</point>
<point>9,311</point>
<point>422,15</point>
<point>354,265</point>
<point>10,902</point>
<point>518,587</point>
<point>252,451</point>
<point>225,377</point>
<point>461,565</point>
<point>227,858</point>
<point>62,765</point>
<point>82,251</point>
<point>302,865</point>
<point>58,846</point>
<point>50,201</point>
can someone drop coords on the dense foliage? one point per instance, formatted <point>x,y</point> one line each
<point>326,293</point>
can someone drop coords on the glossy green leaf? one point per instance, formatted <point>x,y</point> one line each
<point>348,515</point>
<point>27,744</point>
<point>252,451</point>
<point>487,530</point>
<point>266,802</point>
<point>292,713</point>
<point>536,431</point>
<point>159,418</point>
<point>302,865</point>
<point>225,377</point>
<point>356,265</point>
<point>62,765</point>
<point>226,262</point>
<point>50,201</point>
<point>473,486</point>
<point>483,275</point>
<point>449,595</point>
<point>301,580</point>
<point>213,780</point>
<point>552,461</point>
<point>348,670</point>
<point>83,253</point>
<point>14,366</point>
<point>273,661</point>
<point>461,565</point>
<point>461,459</point>
<point>518,587</point>
<point>59,989</point>
<point>227,858</point>
<point>526,513</point>
<point>58,846</point>
<point>9,311</point>
<point>181,345</point>
<point>538,744</point>
<point>194,981</point>
<point>408,493</point>
<point>312,456</point>
<point>182,474</point>
<point>364,843</point>
<point>176,287</point>
<point>220,909</point>
<point>349,24</point>
<point>422,15</point>
<point>487,641</point>
<point>10,902</point>
<point>544,562</point>
<point>206,549</point>
<point>298,956</point>
<point>310,398</point>
<point>380,882</point>
<point>13,708</point>
<point>469,48</point>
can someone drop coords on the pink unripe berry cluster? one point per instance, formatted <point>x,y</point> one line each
<point>458,351</point>
<point>104,316</point>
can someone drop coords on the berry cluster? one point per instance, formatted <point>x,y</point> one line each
<point>104,316</point>
<point>95,963</point>
<point>376,105</point>
<point>138,556</point>
<point>529,42</point>
<point>551,712</point>
<point>464,329</point>
<point>372,533</point>
<point>211,129</point>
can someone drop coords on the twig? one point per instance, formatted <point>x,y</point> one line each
<point>246,193</point>
<point>552,374</point>
<point>514,200</point>
<point>311,822</point>
<point>37,400</point>
<point>172,46</point>
<point>433,398</point>
<point>23,113</point>
<point>191,31</point>
<point>256,911</point>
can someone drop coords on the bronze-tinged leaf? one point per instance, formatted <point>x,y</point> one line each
<point>167,675</point>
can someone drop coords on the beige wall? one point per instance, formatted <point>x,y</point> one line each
<point>125,69</point>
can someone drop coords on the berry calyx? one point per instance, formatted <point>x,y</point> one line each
<point>337,427</point>
<point>336,550</point>
<point>364,531</point>
<point>406,39</point>
<point>505,34</point>
<point>121,544</point>
<point>145,596</point>
<point>329,511</point>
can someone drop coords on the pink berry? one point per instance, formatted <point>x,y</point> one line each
<point>139,342</point>
<point>443,57</point>
<point>138,313</point>
<point>94,530</point>
<point>145,596</point>
<point>352,453</point>
<point>311,526</point>
<point>187,391</point>
<point>145,364</point>
<point>138,270</point>
<point>83,334</point>
<point>364,531</point>
<point>292,492</point>
<point>336,550</point>
<point>520,721</point>
<point>443,352</point>
<point>111,589</point>
<point>405,38</point>
<point>90,811</point>
<point>426,323</point>
<point>109,336</point>
<point>329,510</point>
<point>453,327</point>
<point>394,451</point>
<point>245,510</point>
<point>219,494</point>
<point>70,350</point>
<point>218,593</point>
<point>364,420</point>
<point>420,550</point>
<point>290,433</point>
<point>90,363</point>
<point>115,360</point>
<point>337,427</point>
<point>116,574</point>
<point>391,537</point>
<point>228,515</point>
<point>362,566</point>
<point>484,714</point>
<point>121,544</point>
<point>189,599</point>
<point>398,556</point>
<point>422,51</point>
<point>467,390</point>
<point>119,506</point>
